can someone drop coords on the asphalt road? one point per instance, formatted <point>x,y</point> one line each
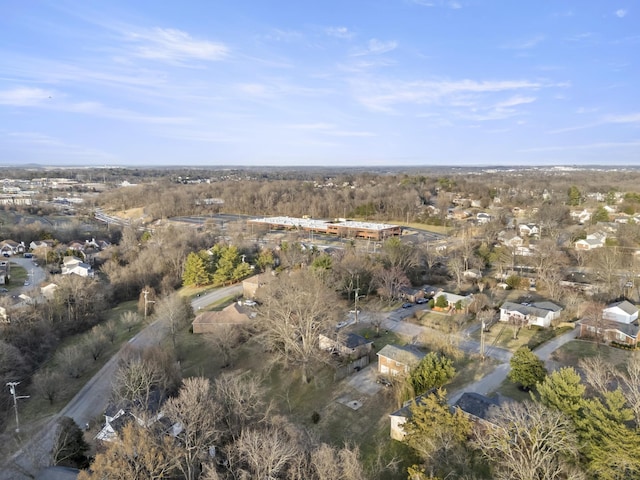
<point>91,401</point>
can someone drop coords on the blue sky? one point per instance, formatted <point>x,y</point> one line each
<point>330,82</point>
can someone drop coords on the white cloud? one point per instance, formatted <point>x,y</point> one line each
<point>376,47</point>
<point>621,13</point>
<point>590,146</point>
<point>383,96</point>
<point>25,96</point>
<point>329,129</point>
<point>174,45</point>
<point>514,101</point>
<point>629,118</point>
<point>525,44</point>
<point>339,32</point>
<point>279,35</point>
<point>60,149</point>
<point>453,4</point>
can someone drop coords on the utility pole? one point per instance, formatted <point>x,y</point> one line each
<point>12,390</point>
<point>482,340</point>
<point>146,292</point>
<point>357,290</point>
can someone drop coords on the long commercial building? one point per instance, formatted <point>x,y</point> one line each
<point>342,227</point>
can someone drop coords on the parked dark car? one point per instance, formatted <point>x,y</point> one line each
<point>407,305</point>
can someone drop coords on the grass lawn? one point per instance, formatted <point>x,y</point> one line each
<point>18,276</point>
<point>511,390</point>
<point>439,321</point>
<point>570,353</point>
<point>501,335</point>
<point>368,426</point>
<point>470,369</point>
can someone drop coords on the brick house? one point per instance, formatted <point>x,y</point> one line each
<point>396,360</point>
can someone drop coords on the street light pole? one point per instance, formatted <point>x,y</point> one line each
<point>12,390</point>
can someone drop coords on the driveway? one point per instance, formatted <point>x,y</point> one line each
<point>492,381</point>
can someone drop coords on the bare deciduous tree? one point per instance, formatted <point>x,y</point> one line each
<point>630,379</point>
<point>390,281</point>
<point>224,341</point>
<point>49,384</point>
<point>297,309</point>
<point>241,398</point>
<point>529,442</point>
<point>174,312</point>
<point>264,453</point>
<point>72,360</point>
<point>196,413</point>
<point>96,343</point>
<point>598,373</point>
<point>139,453</point>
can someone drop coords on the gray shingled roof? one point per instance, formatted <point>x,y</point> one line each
<point>406,355</point>
<point>476,404</point>
<point>626,306</point>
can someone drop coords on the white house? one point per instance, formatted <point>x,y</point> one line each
<point>594,240</point>
<point>73,265</point>
<point>510,239</point>
<point>48,291</point>
<point>528,229</point>
<point>621,312</point>
<point>538,313</point>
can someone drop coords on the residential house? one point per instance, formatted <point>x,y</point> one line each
<point>621,312</point>
<point>232,315</point>
<point>411,294</point>
<point>528,230</point>
<point>48,291</point>
<point>610,331</point>
<point>400,417</point>
<point>477,407</point>
<point>472,274</point>
<point>454,300</point>
<point>251,285</point>
<point>510,239</point>
<point>430,291</point>
<point>73,265</point>
<point>538,313</point>
<point>11,247</point>
<point>581,217</point>
<point>483,218</point>
<point>396,360</point>
<point>349,345</point>
<point>594,240</point>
